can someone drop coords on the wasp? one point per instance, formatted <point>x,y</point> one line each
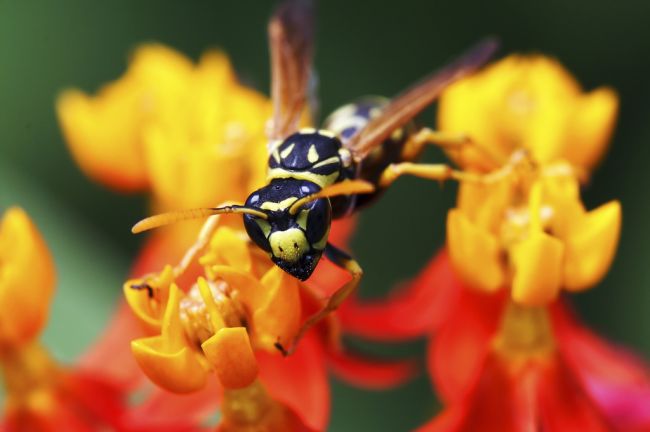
<point>319,175</point>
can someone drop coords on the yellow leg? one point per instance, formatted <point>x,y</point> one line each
<point>438,172</point>
<point>446,141</point>
<point>346,262</point>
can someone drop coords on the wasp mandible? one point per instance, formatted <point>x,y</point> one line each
<point>317,175</point>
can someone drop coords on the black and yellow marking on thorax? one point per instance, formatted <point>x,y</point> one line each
<point>311,155</point>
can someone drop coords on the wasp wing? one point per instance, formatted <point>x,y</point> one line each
<point>409,103</point>
<point>291,45</point>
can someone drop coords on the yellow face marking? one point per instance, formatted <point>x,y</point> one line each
<point>286,152</point>
<point>289,245</point>
<point>264,226</point>
<point>301,220</point>
<point>307,130</point>
<point>312,154</point>
<point>320,180</point>
<point>320,244</point>
<point>276,206</point>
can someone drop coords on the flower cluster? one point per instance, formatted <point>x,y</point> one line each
<point>508,355</point>
<point>208,317</point>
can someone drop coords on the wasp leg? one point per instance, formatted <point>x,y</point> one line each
<point>446,141</point>
<point>439,172</point>
<point>346,262</point>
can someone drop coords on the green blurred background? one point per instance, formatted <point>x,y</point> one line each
<point>362,48</point>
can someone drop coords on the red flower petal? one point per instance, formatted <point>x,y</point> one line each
<point>114,344</point>
<point>371,374</point>
<point>456,355</point>
<point>165,411</point>
<point>541,395</point>
<point>618,381</point>
<point>299,381</point>
<point>417,309</point>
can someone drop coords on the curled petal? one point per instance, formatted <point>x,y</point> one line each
<point>103,137</point>
<point>26,279</point>
<point>229,249</point>
<point>590,246</point>
<point>299,381</point>
<point>371,374</point>
<point>591,126</point>
<point>229,351</point>
<point>457,352</point>
<point>147,297</point>
<point>278,318</point>
<point>474,252</point>
<point>618,380</point>
<point>167,359</point>
<point>412,311</point>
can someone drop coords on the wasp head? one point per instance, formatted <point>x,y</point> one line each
<point>294,240</point>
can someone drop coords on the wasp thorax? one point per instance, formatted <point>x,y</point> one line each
<point>195,316</point>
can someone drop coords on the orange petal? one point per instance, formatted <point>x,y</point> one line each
<point>591,127</point>
<point>474,252</point>
<point>231,248</point>
<point>148,305</point>
<point>103,135</point>
<point>167,359</point>
<point>278,319</point>
<point>591,245</point>
<point>27,278</point>
<point>537,263</point>
<point>229,351</point>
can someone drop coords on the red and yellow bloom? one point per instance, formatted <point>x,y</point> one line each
<point>507,356</point>
<point>41,393</point>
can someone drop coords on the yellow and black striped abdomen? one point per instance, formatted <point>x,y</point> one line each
<point>348,120</point>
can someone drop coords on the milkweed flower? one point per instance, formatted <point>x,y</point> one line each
<point>507,355</point>
<point>41,393</point>
<point>231,324</point>
<point>525,226</point>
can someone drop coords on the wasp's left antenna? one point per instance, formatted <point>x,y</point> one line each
<point>199,213</point>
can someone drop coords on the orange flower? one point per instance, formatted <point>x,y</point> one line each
<point>229,323</point>
<point>532,135</point>
<point>41,393</point>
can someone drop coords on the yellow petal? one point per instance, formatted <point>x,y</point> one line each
<point>591,127</point>
<point>148,306</point>
<point>231,248</point>
<point>167,359</point>
<point>230,353</point>
<point>537,263</point>
<point>591,245</point>
<point>103,135</point>
<point>475,253</point>
<point>27,279</point>
<point>278,318</point>
<point>250,291</point>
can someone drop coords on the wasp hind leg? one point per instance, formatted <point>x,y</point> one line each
<point>346,262</point>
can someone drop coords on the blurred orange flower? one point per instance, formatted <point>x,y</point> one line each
<point>523,225</point>
<point>42,394</point>
<point>507,356</point>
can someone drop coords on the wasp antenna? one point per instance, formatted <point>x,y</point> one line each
<point>162,219</point>
<point>350,187</point>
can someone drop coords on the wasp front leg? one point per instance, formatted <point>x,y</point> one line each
<point>346,262</point>
<point>438,172</point>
